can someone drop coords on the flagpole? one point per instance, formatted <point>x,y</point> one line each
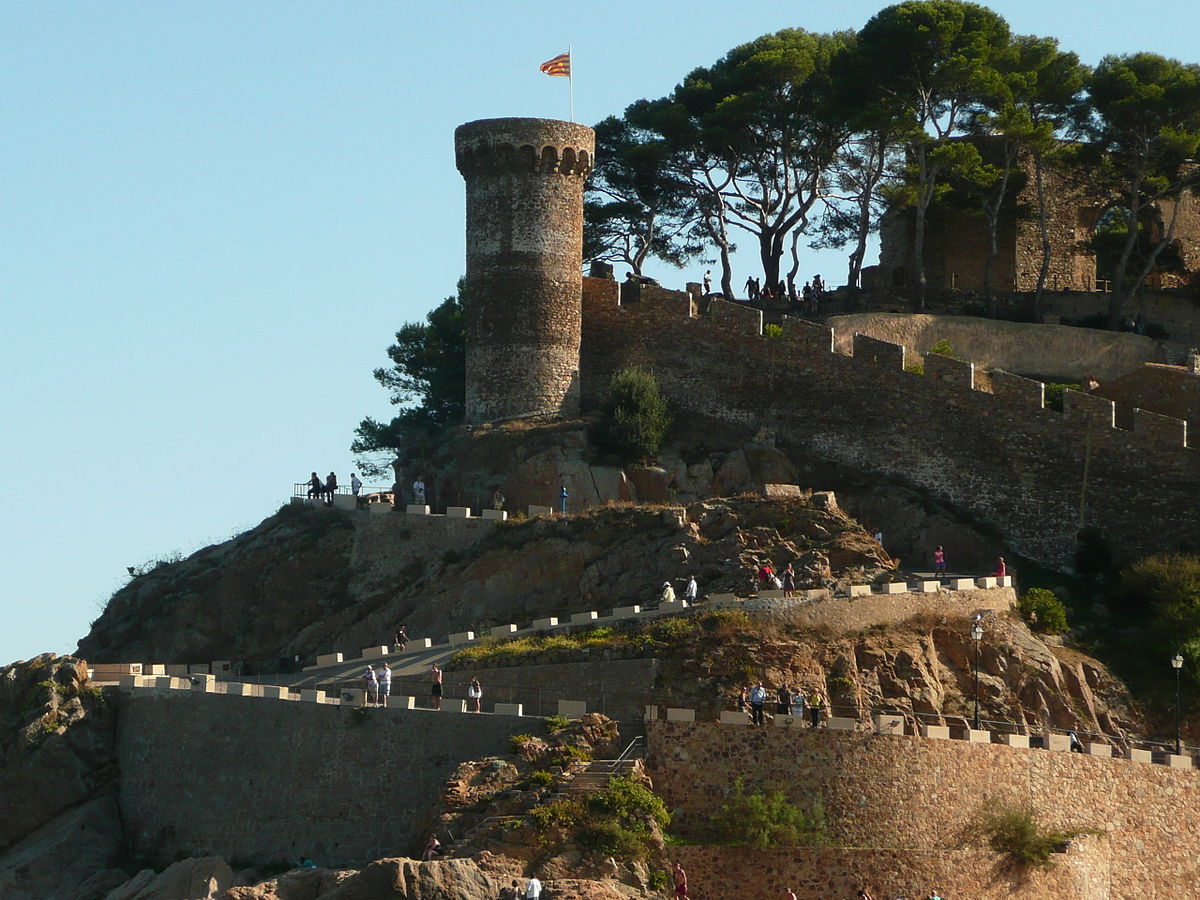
<point>571,80</point>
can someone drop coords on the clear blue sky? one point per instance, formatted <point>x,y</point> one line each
<point>213,216</point>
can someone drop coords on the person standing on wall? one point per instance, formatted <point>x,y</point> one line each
<point>475,693</point>
<point>816,707</point>
<point>435,690</point>
<point>418,489</point>
<point>371,686</point>
<point>385,683</point>
<point>355,484</point>
<point>758,696</point>
<point>707,282</point>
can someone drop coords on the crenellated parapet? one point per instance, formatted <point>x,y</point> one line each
<point>524,146</point>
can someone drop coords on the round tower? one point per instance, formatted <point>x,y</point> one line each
<point>524,286</point>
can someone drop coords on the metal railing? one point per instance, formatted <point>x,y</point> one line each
<point>302,488</point>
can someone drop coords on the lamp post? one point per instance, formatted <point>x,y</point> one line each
<point>1177,665</point>
<point>976,636</point>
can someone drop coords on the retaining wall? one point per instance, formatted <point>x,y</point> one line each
<point>212,774</point>
<point>912,793</point>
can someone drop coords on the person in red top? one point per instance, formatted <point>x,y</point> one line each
<point>1001,568</point>
<point>681,889</point>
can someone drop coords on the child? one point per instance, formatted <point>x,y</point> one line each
<point>939,561</point>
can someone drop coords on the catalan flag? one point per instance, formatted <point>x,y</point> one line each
<point>560,65</point>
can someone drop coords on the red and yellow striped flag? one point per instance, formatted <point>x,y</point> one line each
<point>560,65</point>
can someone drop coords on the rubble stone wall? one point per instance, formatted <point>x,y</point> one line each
<point>1018,467</point>
<point>921,794</point>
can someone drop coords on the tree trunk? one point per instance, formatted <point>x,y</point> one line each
<point>1044,229</point>
<point>1120,288</point>
<point>918,249</point>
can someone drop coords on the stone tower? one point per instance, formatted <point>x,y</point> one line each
<point>524,264</point>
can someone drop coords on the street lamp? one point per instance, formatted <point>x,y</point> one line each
<point>1177,665</point>
<point>976,636</point>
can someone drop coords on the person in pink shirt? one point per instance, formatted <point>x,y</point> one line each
<point>939,560</point>
<point>1001,568</point>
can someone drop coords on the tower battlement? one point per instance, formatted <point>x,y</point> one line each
<point>542,146</point>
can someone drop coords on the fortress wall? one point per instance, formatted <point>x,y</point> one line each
<point>211,774</point>
<point>1000,458</point>
<point>1082,873</point>
<point>905,793</point>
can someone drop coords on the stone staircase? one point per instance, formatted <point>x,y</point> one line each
<point>596,775</point>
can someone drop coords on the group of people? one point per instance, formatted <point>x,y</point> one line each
<point>789,702</point>
<point>378,684</point>
<point>667,595</point>
<point>769,579</point>
<point>324,490</point>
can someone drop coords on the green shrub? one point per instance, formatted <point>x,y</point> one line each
<point>761,819</point>
<point>517,741</point>
<point>631,802</point>
<point>673,631</point>
<point>561,813</point>
<point>942,348</point>
<point>611,839</point>
<point>1016,831</point>
<point>556,723</point>
<point>545,779</point>
<point>725,620</point>
<point>634,420</point>
<point>773,331</point>
<point>569,753</point>
<point>659,880</point>
<point>1043,611</point>
<point>1054,394</point>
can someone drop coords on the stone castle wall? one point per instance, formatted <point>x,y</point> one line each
<point>524,180</point>
<point>919,794</point>
<point>1082,873</point>
<point>248,777</point>
<point>998,456</point>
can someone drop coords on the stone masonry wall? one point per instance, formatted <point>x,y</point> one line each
<point>210,774</point>
<point>1082,873</point>
<point>909,793</point>
<point>1016,466</point>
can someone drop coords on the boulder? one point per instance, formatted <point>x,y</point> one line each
<point>651,484</point>
<point>206,878</point>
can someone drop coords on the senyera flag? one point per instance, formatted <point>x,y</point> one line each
<point>560,65</point>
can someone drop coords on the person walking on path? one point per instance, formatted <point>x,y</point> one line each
<point>939,561</point>
<point>533,888</point>
<point>680,878</point>
<point>707,282</point>
<point>689,595</point>
<point>419,492</point>
<point>816,708</point>
<point>435,691</point>
<point>401,639</point>
<point>758,696</point>
<point>355,484</point>
<point>371,684</point>
<point>475,693</point>
<point>668,593</point>
<point>385,683</point>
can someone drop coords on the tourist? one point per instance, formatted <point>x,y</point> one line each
<point>743,701</point>
<point>385,683</point>
<point>498,500</point>
<point>799,705</point>
<point>314,486</point>
<point>758,696</point>
<point>401,639</point>
<point>789,581</point>
<point>533,888</point>
<point>668,593</point>
<point>816,707</point>
<point>512,892</point>
<point>765,293</point>
<point>330,486</point>
<point>562,500</point>
<point>1076,743</point>
<point>689,595</point>
<point>1001,568</point>
<point>751,288</point>
<point>355,483</point>
<point>765,572</point>
<point>680,878</point>
<point>418,489</point>
<point>475,693</point>
<point>707,282</point>
<point>939,561</point>
<point>432,848</point>
<point>435,691</point>
<point>371,684</point>
<point>785,701</point>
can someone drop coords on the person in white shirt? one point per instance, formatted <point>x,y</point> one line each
<point>475,693</point>
<point>533,889</point>
<point>355,483</point>
<point>419,492</point>
<point>690,593</point>
<point>385,683</point>
<point>371,684</point>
